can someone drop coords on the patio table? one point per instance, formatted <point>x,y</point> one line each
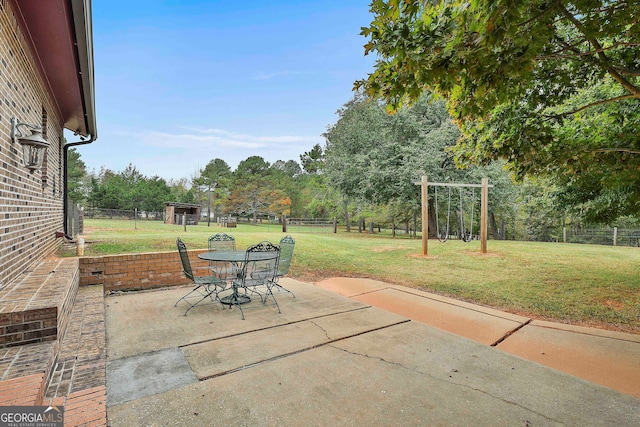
<point>237,259</point>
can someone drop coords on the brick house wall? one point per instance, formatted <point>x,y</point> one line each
<point>31,204</point>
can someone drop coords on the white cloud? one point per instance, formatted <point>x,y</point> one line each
<point>182,154</point>
<point>249,139</point>
<point>217,138</point>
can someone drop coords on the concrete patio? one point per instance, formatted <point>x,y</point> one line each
<point>331,359</point>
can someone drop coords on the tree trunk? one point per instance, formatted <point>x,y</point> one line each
<point>209,211</point>
<point>255,216</point>
<point>415,225</point>
<point>346,216</point>
<point>495,231</point>
<point>433,221</point>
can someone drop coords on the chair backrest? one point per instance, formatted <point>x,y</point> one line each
<point>287,244</point>
<point>184,257</point>
<point>263,269</point>
<point>222,242</point>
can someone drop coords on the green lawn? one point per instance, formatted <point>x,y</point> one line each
<point>581,284</point>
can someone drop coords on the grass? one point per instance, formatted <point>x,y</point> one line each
<point>578,284</point>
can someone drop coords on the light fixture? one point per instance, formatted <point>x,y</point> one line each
<point>33,144</point>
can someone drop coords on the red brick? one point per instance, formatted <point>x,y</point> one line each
<point>17,317</point>
<point>5,319</point>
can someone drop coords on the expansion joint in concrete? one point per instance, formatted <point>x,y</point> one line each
<point>302,350</point>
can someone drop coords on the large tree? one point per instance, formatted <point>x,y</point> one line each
<point>551,86</point>
<point>215,175</point>
<point>128,190</point>
<point>375,159</point>
<point>181,191</point>
<point>286,178</point>
<point>253,192</point>
<point>312,160</point>
<point>76,177</point>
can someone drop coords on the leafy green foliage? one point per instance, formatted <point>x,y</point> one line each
<point>551,87</point>
<point>76,173</point>
<point>213,180</point>
<point>181,191</point>
<point>376,159</point>
<point>129,190</point>
<point>312,160</point>
<point>258,189</point>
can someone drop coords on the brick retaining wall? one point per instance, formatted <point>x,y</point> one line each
<point>139,271</point>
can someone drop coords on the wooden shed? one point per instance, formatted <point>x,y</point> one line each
<point>174,212</point>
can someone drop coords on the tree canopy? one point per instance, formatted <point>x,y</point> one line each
<point>550,86</point>
<point>130,190</point>
<point>262,189</point>
<point>376,159</point>
<point>214,175</point>
<point>76,173</point>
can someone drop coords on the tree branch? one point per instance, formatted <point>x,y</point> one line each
<point>565,46</point>
<point>616,150</point>
<point>536,17</point>
<point>628,72</point>
<point>593,104</point>
<point>577,53</point>
<point>604,61</point>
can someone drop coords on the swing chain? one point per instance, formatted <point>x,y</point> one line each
<point>443,237</point>
<point>467,237</point>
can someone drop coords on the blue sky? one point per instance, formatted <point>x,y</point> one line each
<point>179,82</point>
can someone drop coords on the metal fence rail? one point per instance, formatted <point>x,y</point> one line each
<point>600,236</point>
<point>294,225</point>
<point>122,214</point>
<point>603,236</point>
<point>311,225</point>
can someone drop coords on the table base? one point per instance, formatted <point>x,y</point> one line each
<point>235,299</point>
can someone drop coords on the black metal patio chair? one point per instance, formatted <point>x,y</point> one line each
<point>258,274</point>
<point>205,286</point>
<point>223,242</point>
<point>287,244</point>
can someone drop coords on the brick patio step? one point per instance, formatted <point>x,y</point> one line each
<point>81,361</point>
<point>65,363</point>
<point>35,307</point>
<point>84,408</point>
<point>22,391</point>
<point>79,378</point>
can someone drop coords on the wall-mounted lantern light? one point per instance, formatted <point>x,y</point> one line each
<point>33,144</point>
